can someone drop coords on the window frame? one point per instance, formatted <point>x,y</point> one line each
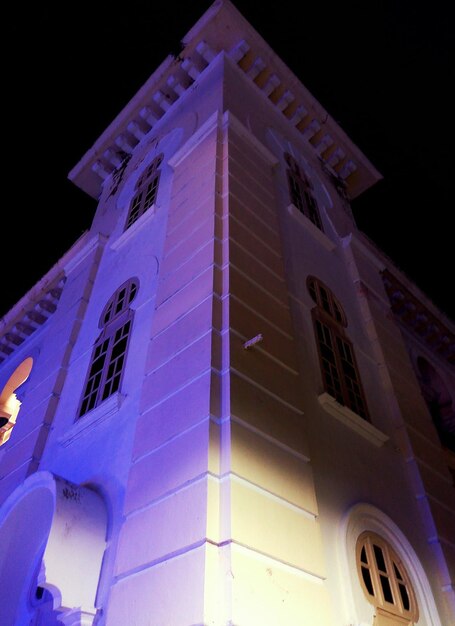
<point>116,320</point>
<point>329,322</point>
<point>145,192</point>
<point>301,192</point>
<point>393,571</point>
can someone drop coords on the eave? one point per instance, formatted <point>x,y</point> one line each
<point>223,29</point>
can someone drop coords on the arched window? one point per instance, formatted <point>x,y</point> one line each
<point>301,191</point>
<point>109,352</point>
<point>439,402</point>
<point>146,191</point>
<point>385,581</point>
<point>9,402</point>
<point>340,373</point>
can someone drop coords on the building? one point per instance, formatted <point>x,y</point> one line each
<point>224,404</point>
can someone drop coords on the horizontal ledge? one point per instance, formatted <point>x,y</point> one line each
<point>87,422</point>
<point>313,230</point>
<point>352,420</point>
<point>270,495</point>
<point>139,224</point>
<point>260,433</point>
<point>294,569</point>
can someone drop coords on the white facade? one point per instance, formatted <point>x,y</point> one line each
<point>220,481</point>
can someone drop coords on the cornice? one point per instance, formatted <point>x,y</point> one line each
<point>31,317</point>
<point>223,29</point>
<point>417,318</point>
<point>40,303</point>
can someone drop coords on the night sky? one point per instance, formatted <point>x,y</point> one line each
<point>381,69</point>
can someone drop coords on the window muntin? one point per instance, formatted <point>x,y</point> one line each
<point>301,192</point>
<point>340,374</point>
<point>146,191</point>
<point>325,300</point>
<point>383,577</point>
<point>109,352</point>
<point>118,302</point>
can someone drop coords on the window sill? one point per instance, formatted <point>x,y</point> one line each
<point>311,228</point>
<point>352,420</point>
<point>90,420</point>
<point>134,228</point>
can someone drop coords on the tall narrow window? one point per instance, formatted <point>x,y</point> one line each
<point>340,373</point>
<point>146,191</point>
<point>109,352</point>
<point>385,581</point>
<point>301,191</point>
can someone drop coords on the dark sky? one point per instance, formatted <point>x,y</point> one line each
<point>381,69</point>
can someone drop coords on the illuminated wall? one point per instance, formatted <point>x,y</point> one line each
<point>221,483</point>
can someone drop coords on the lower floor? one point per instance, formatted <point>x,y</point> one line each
<point>57,567</point>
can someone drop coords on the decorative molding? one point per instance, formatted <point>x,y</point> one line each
<point>90,420</point>
<point>34,314</point>
<point>352,420</point>
<point>313,230</point>
<point>261,67</point>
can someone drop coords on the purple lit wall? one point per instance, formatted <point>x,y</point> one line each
<point>220,483</point>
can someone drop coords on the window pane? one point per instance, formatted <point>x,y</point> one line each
<point>354,397</point>
<point>386,590</point>
<point>331,376</point>
<point>150,195</point>
<point>367,580</point>
<point>312,290</point>
<point>108,313</point>
<point>338,315</point>
<point>313,212</point>
<point>135,208</point>
<point>397,572</point>
<point>116,361</point>
<point>301,196</point>
<point>379,558</point>
<point>120,300</point>
<point>385,581</point>
<point>404,597</point>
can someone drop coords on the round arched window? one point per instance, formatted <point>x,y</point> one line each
<point>385,581</point>
<point>326,301</point>
<point>107,364</point>
<point>119,301</point>
<point>146,191</point>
